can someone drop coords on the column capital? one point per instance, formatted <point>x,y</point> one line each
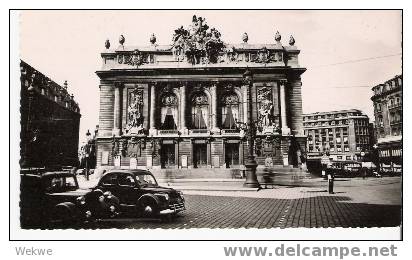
<point>118,84</point>
<point>282,82</point>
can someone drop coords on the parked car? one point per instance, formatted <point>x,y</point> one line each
<point>391,169</point>
<point>82,171</point>
<point>344,168</point>
<point>55,198</point>
<point>139,191</point>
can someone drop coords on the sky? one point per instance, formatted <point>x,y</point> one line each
<point>346,53</point>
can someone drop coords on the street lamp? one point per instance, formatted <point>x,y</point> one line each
<point>375,147</point>
<point>88,148</point>
<point>251,129</point>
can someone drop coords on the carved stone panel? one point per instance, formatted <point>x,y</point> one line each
<point>135,111</point>
<point>264,98</point>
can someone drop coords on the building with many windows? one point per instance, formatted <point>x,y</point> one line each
<point>184,105</point>
<point>341,134</point>
<point>50,119</point>
<point>387,103</point>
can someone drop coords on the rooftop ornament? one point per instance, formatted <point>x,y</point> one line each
<point>153,39</point>
<point>121,39</point>
<point>291,41</point>
<point>107,44</point>
<point>245,37</point>
<point>199,44</point>
<point>278,37</point>
<point>65,85</point>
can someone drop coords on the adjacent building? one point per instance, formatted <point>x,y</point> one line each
<point>342,135</point>
<point>50,119</point>
<point>185,105</point>
<point>387,103</point>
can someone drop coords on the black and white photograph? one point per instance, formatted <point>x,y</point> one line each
<point>223,120</point>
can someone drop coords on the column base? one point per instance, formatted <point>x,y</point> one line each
<point>215,130</point>
<point>152,131</point>
<point>286,131</point>
<point>184,131</point>
<point>116,132</point>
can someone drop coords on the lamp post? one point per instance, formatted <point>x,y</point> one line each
<point>250,164</point>
<point>362,154</point>
<point>88,148</point>
<point>375,147</point>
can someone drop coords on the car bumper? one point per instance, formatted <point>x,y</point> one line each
<point>173,208</point>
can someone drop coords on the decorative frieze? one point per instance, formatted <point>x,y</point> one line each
<point>136,58</point>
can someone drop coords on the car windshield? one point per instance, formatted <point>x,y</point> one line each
<point>60,184</point>
<point>145,180</point>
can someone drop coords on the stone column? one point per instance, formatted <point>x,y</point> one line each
<point>183,127</point>
<point>245,104</point>
<point>214,108</point>
<point>152,119</point>
<point>117,109</point>
<point>208,154</point>
<point>283,116</point>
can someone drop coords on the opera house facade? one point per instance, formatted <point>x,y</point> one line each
<point>186,105</point>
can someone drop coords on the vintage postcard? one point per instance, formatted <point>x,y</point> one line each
<point>178,122</point>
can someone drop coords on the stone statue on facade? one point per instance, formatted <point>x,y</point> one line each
<point>198,44</point>
<point>135,118</point>
<point>266,111</point>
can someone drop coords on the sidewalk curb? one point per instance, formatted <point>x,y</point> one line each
<point>214,189</point>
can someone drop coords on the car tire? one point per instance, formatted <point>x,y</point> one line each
<point>112,202</point>
<point>148,207</point>
<point>62,214</point>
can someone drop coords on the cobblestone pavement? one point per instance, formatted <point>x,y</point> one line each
<point>356,203</point>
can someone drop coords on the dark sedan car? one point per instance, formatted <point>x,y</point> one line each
<point>138,190</point>
<point>55,198</point>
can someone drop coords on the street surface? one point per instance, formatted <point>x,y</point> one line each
<point>373,202</point>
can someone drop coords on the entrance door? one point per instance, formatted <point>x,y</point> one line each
<point>199,155</point>
<point>231,155</point>
<point>167,156</point>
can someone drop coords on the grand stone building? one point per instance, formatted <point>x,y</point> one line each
<point>387,103</point>
<point>50,119</point>
<point>184,105</point>
<point>343,134</point>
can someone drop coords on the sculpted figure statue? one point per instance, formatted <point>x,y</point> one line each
<point>266,113</point>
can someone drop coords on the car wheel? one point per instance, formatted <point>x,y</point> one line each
<point>62,215</point>
<point>113,206</point>
<point>149,208</point>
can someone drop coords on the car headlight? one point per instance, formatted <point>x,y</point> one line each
<point>166,196</point>
<point>88,214</point>
<point>81,200</point>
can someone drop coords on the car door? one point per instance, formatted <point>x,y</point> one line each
<point>109,183</point>
<point>127,189</point>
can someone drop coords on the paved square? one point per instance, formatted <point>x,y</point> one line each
<point>355,203</point>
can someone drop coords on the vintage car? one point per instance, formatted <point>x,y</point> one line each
<point>344,168</point>
<point>139,192</point>
<point>55,198</point>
